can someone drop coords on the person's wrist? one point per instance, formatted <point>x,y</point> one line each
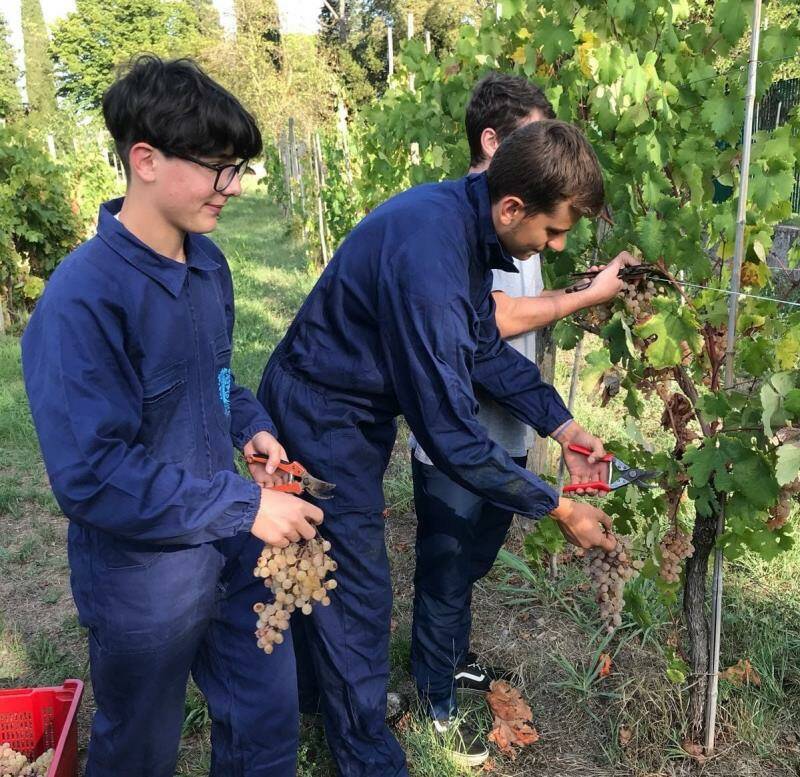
<point>560,433</point>
<point>591,296</point>
<point>564,433</point>
<point>563,510</point>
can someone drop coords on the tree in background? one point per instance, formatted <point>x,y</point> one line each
<point>38,67</point>
<point>258,22</point>
<point>275,75</point>
<point>207,18</point>
<point>91,42</point>
<point>10,100</point>
<point>353,33</point>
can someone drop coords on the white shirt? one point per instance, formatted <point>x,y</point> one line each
<point>506,430</point>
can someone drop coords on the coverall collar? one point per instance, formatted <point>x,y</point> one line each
<point>496,256</point>
<point>169,273</point>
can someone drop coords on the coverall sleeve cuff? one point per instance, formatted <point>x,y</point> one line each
<point>557,418</point>
<point>251,506</point>
<point>548,503</point>
<point>262,424</point>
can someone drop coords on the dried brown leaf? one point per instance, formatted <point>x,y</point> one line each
<point>741,673</point>
<point>513,719</point>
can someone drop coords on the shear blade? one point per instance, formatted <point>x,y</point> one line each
<point>318,488</point>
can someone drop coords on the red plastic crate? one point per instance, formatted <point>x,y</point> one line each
<point>33,720</point>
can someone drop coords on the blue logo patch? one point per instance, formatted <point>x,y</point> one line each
<point>224,386</point>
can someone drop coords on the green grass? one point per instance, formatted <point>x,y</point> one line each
<point>549,627</point>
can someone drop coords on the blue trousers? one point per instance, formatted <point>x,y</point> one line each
<point>343,650</point>
<point>155,616</point>
<point>458,537</point>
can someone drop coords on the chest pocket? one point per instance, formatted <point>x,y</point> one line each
<point>166,430</point>
<point>224,379</point>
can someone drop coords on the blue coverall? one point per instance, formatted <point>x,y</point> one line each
<point>401,321</point>
<point>127,367</point>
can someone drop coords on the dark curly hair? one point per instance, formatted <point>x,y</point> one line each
<point>500,102</point>
<point>546,163</point>
<point>177,108</point>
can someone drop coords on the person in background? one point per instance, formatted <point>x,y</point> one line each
<point>459,531</point>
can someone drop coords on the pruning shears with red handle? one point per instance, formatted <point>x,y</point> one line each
<point>620,474</point>
<point>300,479</point>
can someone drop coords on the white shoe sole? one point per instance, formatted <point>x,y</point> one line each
<point>462,759</point>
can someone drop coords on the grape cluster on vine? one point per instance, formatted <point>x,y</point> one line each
<point>296,576</point>
<point>609,571</point>
<point>14,764</point>
<point>675,547</point>
<point>638,295</point>
<point>781,510</point>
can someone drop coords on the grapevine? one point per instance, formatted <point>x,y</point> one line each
<point>643,81</point>
<point>296,576</point>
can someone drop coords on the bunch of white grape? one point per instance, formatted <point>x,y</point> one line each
<point>14,764</point>
<point>638,296</point>
<point>296,576</point>
<point>609,571</point>
<point>675,546</point>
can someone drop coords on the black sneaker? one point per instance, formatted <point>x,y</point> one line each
<point>462,743</point>
<point>476,676</point>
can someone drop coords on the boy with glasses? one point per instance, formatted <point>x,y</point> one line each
<point>127,367</point>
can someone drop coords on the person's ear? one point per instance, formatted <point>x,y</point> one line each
<point>510,210</point>
<point>143,162</point>
<point>489,142</point>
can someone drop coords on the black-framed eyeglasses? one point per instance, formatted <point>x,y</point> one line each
<point>225,173</point>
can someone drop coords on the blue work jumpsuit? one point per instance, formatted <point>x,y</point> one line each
<point>400,322</point>
<point>127,367</point>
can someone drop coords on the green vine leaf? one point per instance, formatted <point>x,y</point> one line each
<point>672,325</point>
<point>788,463</point>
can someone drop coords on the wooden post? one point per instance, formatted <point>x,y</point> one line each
<point>390,50</point>
<point>319,179</point>
<point>51,146</point>
<point>427,42</point>
<point>297,173</point>
<point>730,377</point>
<point>409,36</point>
<point>344,133</point>
<point>2,320</point>
<point>283,152</point>
<point>286,165</point>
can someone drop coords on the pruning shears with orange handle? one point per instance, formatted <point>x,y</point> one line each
<point>300,480</point>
